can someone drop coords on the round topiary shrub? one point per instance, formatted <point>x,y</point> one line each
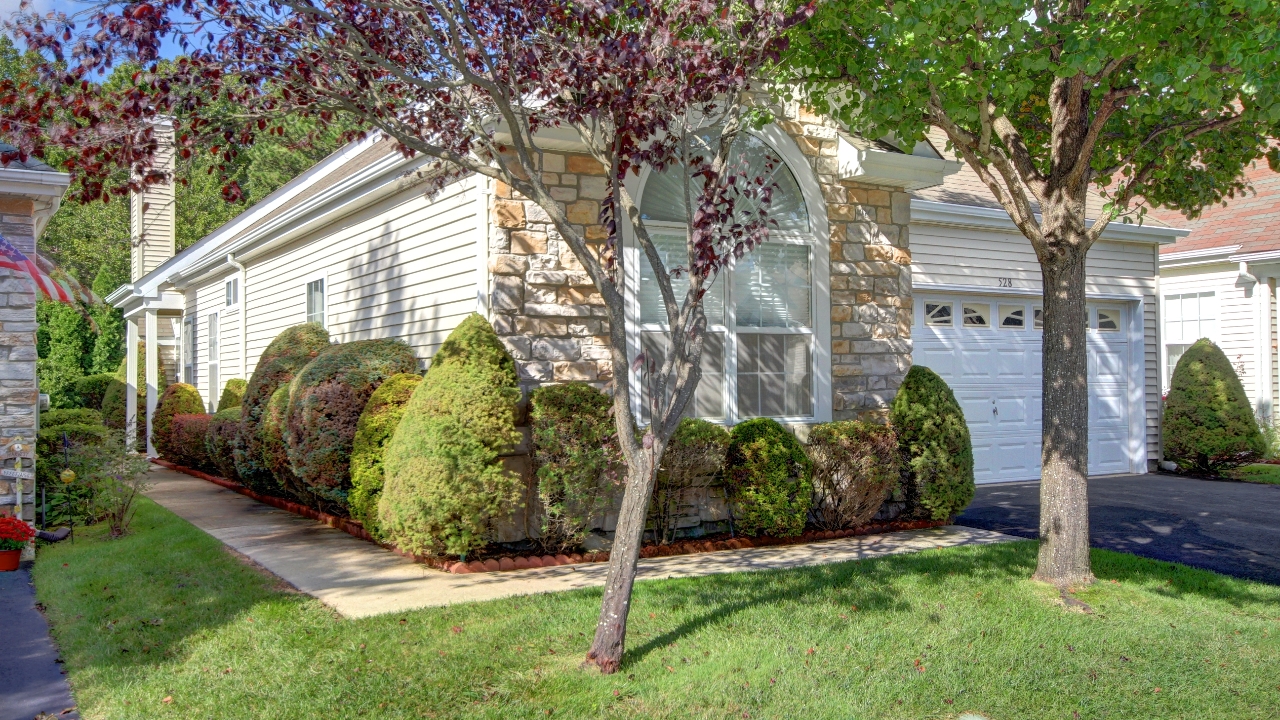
<point>284,357</point>
<point>444,479</point>
<point>377,424</point>
<point>325,403</point>
<point>1209,426</point>
<point>576,453</point>
<point>178,399</point>
<point>768,479</point>
<point>855,467</point>
<point>273,452</point>
<point>91,389</point>
<point>933,445</point>
<point>232,394</point>
<point>187,440</point>
<point>694,459</point>
<point>220,442</point>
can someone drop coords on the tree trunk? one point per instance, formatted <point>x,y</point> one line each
<point>1064,500</point>
<point>611,630</point>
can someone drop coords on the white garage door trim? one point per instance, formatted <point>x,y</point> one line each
<point>1017,443</point>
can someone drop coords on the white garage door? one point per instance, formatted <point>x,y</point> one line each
<point>988,351</point>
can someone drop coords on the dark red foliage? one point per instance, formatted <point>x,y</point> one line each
<point>186,445</point>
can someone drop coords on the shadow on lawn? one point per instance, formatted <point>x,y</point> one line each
<point>109,611</point>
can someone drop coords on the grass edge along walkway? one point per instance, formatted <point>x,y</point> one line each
<point>166,623</point>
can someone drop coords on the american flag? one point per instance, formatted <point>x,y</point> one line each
<point>52,281</point>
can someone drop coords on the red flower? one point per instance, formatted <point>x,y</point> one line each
<point>14,533</point>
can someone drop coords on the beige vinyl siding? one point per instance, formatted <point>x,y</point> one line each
<point>151,220</point>
<point>1236,309</point>
<point>209,296</point>
<point>406,267</point>
<point>982,256</point>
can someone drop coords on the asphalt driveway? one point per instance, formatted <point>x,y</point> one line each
<point>1228,527</point>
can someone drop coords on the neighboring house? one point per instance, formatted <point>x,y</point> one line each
<point>30,193</point>
<point>1219,282</point>
<point>817,324</point>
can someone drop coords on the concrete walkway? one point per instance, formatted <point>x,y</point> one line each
<point>359,579</point>
<point>31,678</point>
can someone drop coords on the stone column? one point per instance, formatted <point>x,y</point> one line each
<point>19,393</point>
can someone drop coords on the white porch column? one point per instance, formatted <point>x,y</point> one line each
<point>131,383</point>
<point>153,375</point>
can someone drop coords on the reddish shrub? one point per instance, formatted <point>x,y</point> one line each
<point>187,441</point>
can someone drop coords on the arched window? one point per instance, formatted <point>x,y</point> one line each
<point>759,353</point>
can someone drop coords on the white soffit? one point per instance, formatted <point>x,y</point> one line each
<point>876,167</point>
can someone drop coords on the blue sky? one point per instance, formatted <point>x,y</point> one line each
<point>9,7</point>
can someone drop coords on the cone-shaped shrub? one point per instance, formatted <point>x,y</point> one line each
<point>92,388</point>
<point>186,440</point>
<point>1209,426</point>
<point>325,403</point>
<point>768,479</point>
<point>855,467</point>
<point>221,439</point>
<point>178,399</point>
<point>377,424</point>
<point>933,445</point>
<point>283,358</point>
<point>576,452</point>
<point>444,479</point>
<point>232,394</point>
<point>272,450</point>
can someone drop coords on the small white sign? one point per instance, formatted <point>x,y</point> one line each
<point>24,474</point>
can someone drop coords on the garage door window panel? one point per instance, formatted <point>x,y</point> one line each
<point>977,315</point>
<point>937,314</point>
<point>1013,317</point>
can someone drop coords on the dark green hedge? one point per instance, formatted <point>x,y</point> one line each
<point>220,442</point>
<point>377,424</point>
<point>768,479</point>
<point>91,389</point>
<point>1209,425</point>
<point>325,402</point>
<point>284,357</point>
<point>178,399</point>
<point>933,444</point>
<point>232,394</point>
<point>77,416</point>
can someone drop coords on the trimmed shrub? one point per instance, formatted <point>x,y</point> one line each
<point>232,394</point>
<point>77,416</point>
<point>694,458</point>
<point>92,389</point>
<point>1209,425</point>
<point>178,399</point>
<point>444,480</point>
<point>272,449</point>
<point>769,480</point>
<point>187,440</point>
<point>377,424</point>
<point>855,467</point>
<point>284,357</point>
<point>934,448</point>
<point>220,441</point>
<point>325,402</point>
<point>576,453</point>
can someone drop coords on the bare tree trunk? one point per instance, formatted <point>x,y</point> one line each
<point>611,630</point>
<point>1064,500</point>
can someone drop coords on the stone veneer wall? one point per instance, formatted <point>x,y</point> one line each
<point>18,391</point>
<point>553,321</point>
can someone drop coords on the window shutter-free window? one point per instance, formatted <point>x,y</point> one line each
<point>315,301</point>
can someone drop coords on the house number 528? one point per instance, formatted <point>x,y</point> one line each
<point>1005,282</point>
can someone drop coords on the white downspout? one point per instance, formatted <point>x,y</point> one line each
<point>244,315</point>
<point>1264,349</point>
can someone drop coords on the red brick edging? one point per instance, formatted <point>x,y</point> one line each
<point>535,561</point>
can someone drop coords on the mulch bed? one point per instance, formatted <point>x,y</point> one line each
<point>712,543</point>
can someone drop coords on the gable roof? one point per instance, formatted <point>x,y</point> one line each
<point>31,163</point>
<point>1251,221</point>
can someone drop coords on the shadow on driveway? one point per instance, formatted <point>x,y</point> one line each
<point>1228,527</point>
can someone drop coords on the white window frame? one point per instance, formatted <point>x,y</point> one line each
<point>324,296</point>
<point>1166,369</point>
<point>231,293</point>
<point>816,239</point>
<point>213,353</point>
<point>190,334</point>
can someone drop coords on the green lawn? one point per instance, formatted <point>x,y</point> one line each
<point>1260,473</point>
<point>167,613</point>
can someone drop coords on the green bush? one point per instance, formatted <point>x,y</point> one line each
<point>378,422</point>
<point>91,389</point>
<point>220,442</point>
<point>178,399</point>
<point>77,416</point>
<point>444,480</point>
<point>50,450</point>
<point>232,394</point>
<point>768,479</point>
<point>325,403</point>
<point>284,357</point>
<point>1209,426</point>
<point>273,452</point>
<point>113,400</point>
<point>575,450</point>
<point>694,458</point>
<point>933,446</point>
<point>855,467</point>
<point>64,344</point>
<point>187,433</point>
